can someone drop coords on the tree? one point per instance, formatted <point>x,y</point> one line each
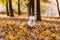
<point>38,10</point>
<point>58,7</point>
<point>11,9</point>
<point>5,2</point>
<point>18,7</point>
<point>32,4</point>
<point>7,10</point>
<point>31,7</point>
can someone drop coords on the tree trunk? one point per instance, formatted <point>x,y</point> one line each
<point>58,7</point>
<point>32,3</point>
<point>7,9</point>
<point>11,9</point>
<point>38,10</point>
<point>29,8</point>
<point>18,7</point>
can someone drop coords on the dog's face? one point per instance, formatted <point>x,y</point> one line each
<point>32,20</point>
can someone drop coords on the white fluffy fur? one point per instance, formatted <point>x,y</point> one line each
<point>30,22</point>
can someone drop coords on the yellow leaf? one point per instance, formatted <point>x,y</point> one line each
<point>10,36</point>
<point>53,35</point>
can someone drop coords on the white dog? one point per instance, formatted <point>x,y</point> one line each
<point>31,21</point>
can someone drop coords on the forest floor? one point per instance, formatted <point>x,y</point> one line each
<point>16,28</point>
<point>24,17</point>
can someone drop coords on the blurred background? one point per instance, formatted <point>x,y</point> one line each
<point>48,7</point>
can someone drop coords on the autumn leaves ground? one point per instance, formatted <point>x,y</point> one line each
<point>11,30</point>
<point>17,29</point>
